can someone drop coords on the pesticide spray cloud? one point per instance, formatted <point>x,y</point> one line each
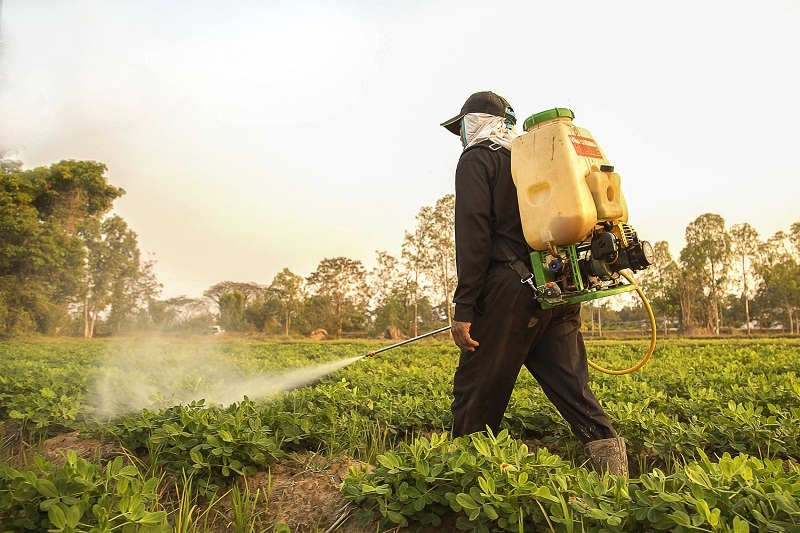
<point>154,375</point>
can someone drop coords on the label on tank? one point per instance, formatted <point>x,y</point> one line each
<point>586,147</point>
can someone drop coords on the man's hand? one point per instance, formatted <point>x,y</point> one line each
<point>461,336</point>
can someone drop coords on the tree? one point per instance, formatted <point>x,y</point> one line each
<point>136,283</point>
<point>70,191</point>
<point>707,257</point>
<point>413,256</point>
<point>262,314</point>
<point>429,255</point>
<point>116,280</point>
<point>794,236</point>
<point>661,283</point>
<point>745,246</point>
<point>10,166</point>
<point>288,290</point>
<point>32,254</point>
<point>342,282</point>
<point>249,291</point>
<point>231,310</point>
<point>180,314</point>
<point>392,295</point>
<point>780,273</point>
<point>42,265</point>
<point>317,312</point>
<point>436,227</point>
<point>688,297</point>
<point>147,289</point>
<point>385,278</point>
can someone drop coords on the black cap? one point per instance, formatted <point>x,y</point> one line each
<point>482,102</point>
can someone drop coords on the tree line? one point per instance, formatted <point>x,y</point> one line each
<point>727,278</point>
<point>68,266</point>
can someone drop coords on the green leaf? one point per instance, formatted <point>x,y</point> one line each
<point>74,516</point>
<point>597,514</point>
<point>543,493</point>
<point>397,518</point>
<point>197,457</point>
<point>740,526</point>
<point>129,471</point>
<point>490,512</point>
<point>713,517</point>
<point>388,461</point>
<point>670,498</point>
<point>57,516</point>
<point>698,476</point>
<point>465,500</point>
<point>48,503</point>
<point>681,518</point>
<point>486,485</point>
<point>480,446</point>
<point>46,488</point>
<point>153,518</point>
<point>419,504</point>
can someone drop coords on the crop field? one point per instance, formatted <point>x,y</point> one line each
<point>219,434</point>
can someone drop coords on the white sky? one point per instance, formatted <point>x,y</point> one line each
<point>256,135</point>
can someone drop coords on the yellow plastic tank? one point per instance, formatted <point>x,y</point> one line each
<point>565,184</point>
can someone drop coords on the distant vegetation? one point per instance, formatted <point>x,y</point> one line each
<point>69,267</point>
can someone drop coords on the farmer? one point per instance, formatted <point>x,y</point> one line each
<point>498,325</point>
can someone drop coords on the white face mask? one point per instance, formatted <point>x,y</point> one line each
<point>477,127</point>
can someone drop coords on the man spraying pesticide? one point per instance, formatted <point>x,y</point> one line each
<point>541,226</point>
<point>551,190</point>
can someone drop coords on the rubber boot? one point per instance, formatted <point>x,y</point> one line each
<point>608,455</point>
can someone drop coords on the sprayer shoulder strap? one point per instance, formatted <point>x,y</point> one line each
<point>488,144</point>
<point>516,264</point>
<point>491,145</point>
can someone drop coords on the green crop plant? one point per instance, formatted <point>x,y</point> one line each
<point>481,476</point>
<point>695,409</point>
<point>214,444</point>
<point>738,493</point>
<point>44,412</point>
<point>497,484</point>
<point>79,496</point>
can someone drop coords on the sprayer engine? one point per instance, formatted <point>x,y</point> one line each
<point>591,268</point>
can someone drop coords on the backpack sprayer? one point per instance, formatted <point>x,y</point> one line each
<point>574,218</point>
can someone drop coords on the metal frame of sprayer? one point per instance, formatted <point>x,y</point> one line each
<point>590,269</point>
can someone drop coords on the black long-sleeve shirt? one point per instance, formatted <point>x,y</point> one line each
<point>486,211</point>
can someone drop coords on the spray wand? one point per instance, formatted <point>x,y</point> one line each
<point>418,337</point>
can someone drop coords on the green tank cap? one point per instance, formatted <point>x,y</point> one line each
<point>537,118</point>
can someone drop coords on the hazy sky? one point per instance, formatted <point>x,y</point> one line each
<point>256,135</point>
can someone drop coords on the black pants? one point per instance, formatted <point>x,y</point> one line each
<point>512,332</point>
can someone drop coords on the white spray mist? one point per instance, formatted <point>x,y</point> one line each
<point>155,375</point>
